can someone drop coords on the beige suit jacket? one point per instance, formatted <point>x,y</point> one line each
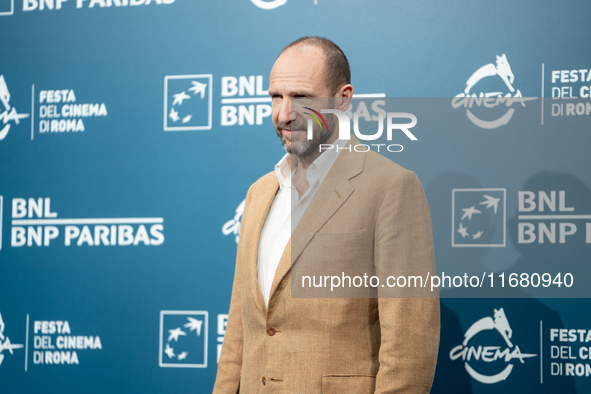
<point>367,209</point>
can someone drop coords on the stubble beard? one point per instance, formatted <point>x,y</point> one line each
<point>305,147</point>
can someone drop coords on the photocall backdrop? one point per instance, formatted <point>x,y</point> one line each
<point>130,131</point>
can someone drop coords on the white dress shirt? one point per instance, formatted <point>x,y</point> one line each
<point>286,211</point>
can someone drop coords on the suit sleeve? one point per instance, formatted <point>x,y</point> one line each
<point>230,363</point>
<point>409,327</point>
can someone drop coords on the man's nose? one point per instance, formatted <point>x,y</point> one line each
<point>285,111</point>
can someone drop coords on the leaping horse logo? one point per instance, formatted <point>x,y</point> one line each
<point>466,99</point>
<point>9,113</point>
<point>502,69</point>
<point>500,323</point>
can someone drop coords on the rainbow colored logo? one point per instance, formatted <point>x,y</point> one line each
<point>315,118</point>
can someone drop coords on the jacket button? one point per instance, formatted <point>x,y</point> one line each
<point>264,381</point>
<point>271,331</point>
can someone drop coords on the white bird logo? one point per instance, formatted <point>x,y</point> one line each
<point>179,97</point>
<point>174,334</point>
<point>197,88</point>
<point>491,202</point>
<point>468,212</point>
<point>194,325</point>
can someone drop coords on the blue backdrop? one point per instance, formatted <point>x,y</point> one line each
<point>130,132</point>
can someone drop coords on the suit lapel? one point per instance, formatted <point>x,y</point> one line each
<point>333,192</point>
<point>258,209</point>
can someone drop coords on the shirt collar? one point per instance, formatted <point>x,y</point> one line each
<point>284,171</point>
<point>323,163</point>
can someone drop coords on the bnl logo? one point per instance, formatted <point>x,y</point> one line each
<point>187,102</point>
<point>478,218</point>
<point>6,7</point>
<point>183,339</point>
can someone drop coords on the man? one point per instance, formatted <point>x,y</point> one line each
<point>345,206</point>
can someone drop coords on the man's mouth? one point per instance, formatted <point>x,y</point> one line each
<point>292,134</point>
<point>291,131</point>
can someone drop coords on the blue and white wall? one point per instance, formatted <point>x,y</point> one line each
<point>131,130</point>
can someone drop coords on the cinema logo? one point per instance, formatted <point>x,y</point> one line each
<point>271,4</point>
<point>34,224</point>
<point>485,103</point>
<point>471,354</point>
<point>345,128</point>
<point>8,112</point>
<point>5,344</point>
<point>268,5</point>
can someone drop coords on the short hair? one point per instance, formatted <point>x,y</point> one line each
<point>336,65</point>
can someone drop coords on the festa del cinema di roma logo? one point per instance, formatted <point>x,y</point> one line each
<point>489,354</point>
<point>490,100</point>
<point>53,343</point>
<point>59,112</point>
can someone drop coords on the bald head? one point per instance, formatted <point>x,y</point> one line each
<point>336,70</point>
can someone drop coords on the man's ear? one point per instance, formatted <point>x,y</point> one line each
<point>343,97</point>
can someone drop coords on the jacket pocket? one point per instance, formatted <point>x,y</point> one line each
<point>350,384</point>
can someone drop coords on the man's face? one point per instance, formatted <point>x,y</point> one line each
<point>297,81</point>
